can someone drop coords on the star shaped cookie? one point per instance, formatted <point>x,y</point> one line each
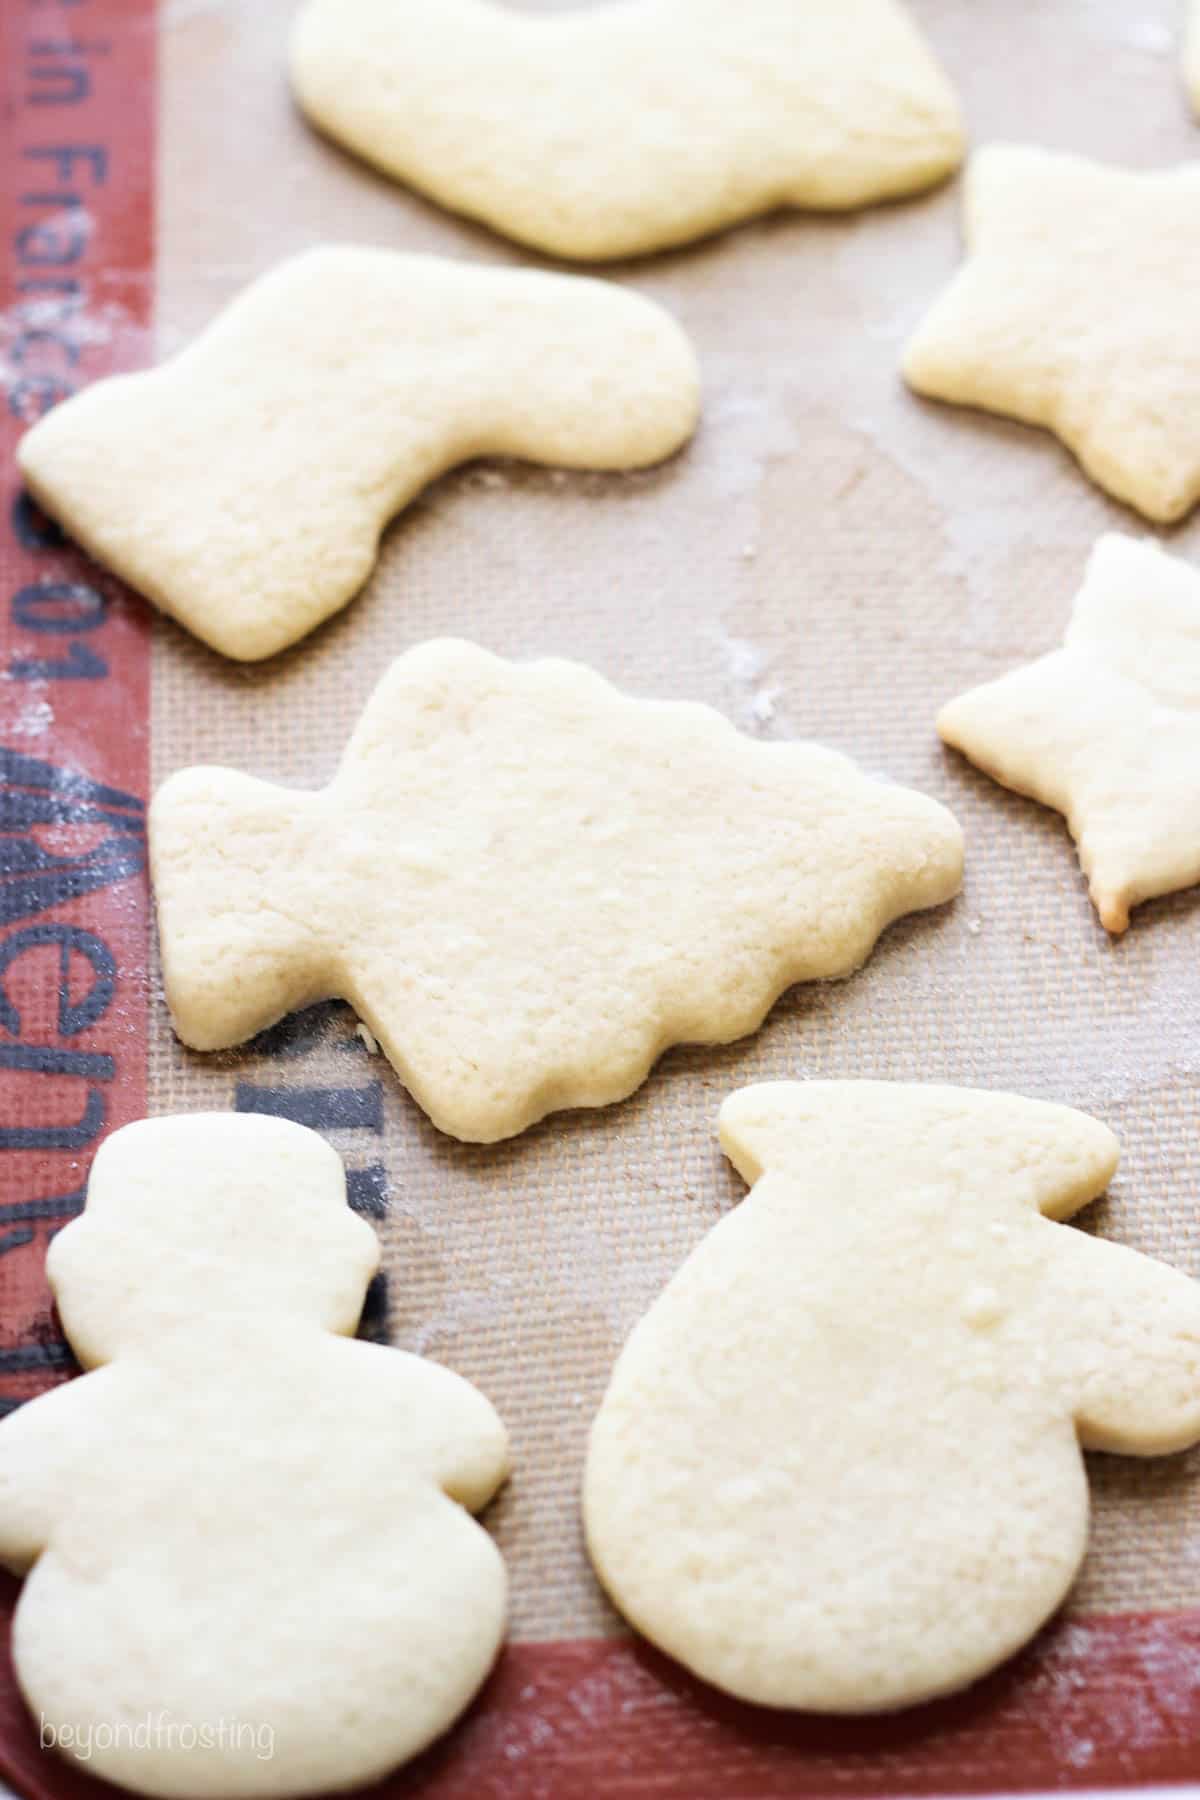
<point>1107,729</point>
<point>530,885</point>
<point>243,486</point>
<point>1076,310</point>
<point>838,1465</point>
<point>612,131</point>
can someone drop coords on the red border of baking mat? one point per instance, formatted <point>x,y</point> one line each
<point>77,249</point>
<point>76,238</point>
<point>1094,1703</point>
<point>1112,1700</point>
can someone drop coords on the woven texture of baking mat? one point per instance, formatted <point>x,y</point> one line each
<point>831,558</point>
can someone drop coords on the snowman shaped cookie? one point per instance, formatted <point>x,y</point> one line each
<point>249,1570</point>
<point>838,1463</point>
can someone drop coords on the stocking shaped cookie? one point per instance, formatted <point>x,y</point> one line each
<point>530,885</point>
<point>608,131</point>
<point>838,1463</point>
<point>243,486</point>
<point>248,1567</point>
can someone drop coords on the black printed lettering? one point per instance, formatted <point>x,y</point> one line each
<point>367,1190</point>
<point>74,1016</point>
<point>32,878</point>
<point>79,664</point>
<point>60,608</point>
<point>322,1109</point>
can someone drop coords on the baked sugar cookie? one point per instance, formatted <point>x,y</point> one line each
<point>530,885</point>
<point>1107,729</point>
<point>243,486</point>
<point>248,1566</point>
<point>1074,310</point>
<point>615,130</point>
<point>838,1463</point>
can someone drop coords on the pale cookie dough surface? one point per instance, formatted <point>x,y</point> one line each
<point>243,485</point>
<point>1191,55</point>
<point>619,129</point>
<point>838,1463</point>
<point>1107,729</point>
<point>1074,310</point>
<point>243,1518</point>
<point>529,885</point>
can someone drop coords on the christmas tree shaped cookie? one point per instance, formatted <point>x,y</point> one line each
<point>614,130</point>
<point>248,1565</point>
<point>1106,729</point>
<point>838,1465</point>
<point>243,486</point>
<point>530,885</point>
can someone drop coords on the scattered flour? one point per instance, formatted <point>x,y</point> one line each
<point>34,720</point>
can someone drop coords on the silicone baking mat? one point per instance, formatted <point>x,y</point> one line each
<point>831,558</point>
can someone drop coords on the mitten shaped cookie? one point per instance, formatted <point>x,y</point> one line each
<point>243,486</point>
<point>838,1465</point>
<point>249,1570</point>
<point>530,885</point>
<point>615,130</point>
